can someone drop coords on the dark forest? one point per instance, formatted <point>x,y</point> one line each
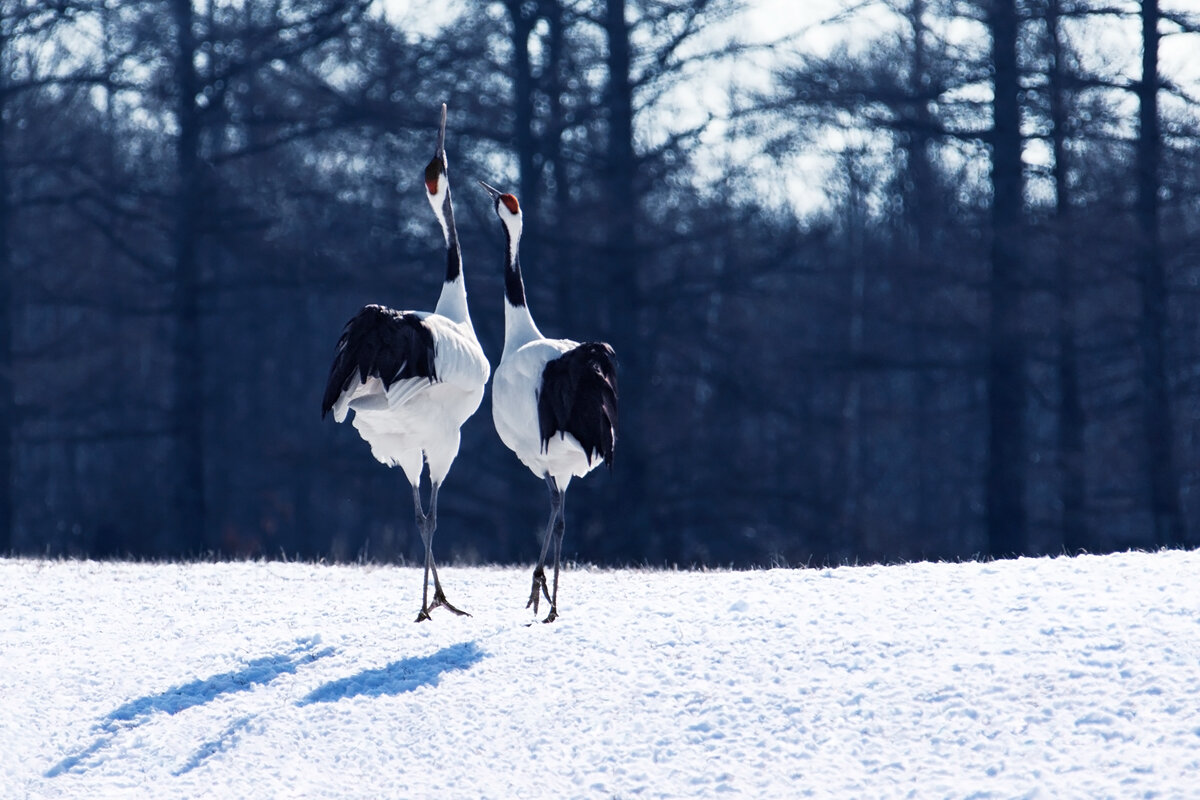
<point>971,330</point>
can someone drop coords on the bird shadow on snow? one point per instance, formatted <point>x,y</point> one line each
<point>209,749</point>
<point>137,712</point>
<point>398,677</point>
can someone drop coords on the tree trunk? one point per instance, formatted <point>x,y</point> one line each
<point>562,247</point>
<point>853,534</point>
<point>916,144</point>
<point>188,355</point>
<point>1070,404</point>
<point>7,385</point>
<point>1006,515</point>
<point>625,301</point>
<point>1152,333</point>
<point>920,212</point>
<point>523,21</point>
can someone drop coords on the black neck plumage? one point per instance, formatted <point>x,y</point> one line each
<point>453,256</point>
<point>514,287</point>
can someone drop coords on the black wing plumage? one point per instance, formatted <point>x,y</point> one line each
<point>579,397</point>
<point>382,343</point>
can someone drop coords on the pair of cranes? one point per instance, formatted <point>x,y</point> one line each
<point>412,378</point>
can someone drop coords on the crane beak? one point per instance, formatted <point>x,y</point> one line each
<point>441,140</point>
<point>494,192</point>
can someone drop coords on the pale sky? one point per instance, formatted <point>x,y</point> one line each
<point>1116,43</point>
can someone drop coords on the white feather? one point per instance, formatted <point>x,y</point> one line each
<point>515,392</point>
<point>415,417</point>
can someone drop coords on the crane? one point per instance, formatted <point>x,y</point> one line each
<point>554,401</point>
<point>412,378</point>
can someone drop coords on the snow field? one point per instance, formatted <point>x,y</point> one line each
<point>1036,678</point>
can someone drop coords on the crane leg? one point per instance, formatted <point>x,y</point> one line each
<point>539,572</point>
<point>439,597</point>
<point>427,525</point>
<point>559,530</point>
<point>422,526</point>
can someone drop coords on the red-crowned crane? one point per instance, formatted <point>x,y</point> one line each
<point>554,401</point>
<point>412,378</point>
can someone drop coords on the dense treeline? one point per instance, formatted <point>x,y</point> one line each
<point>974,333</point>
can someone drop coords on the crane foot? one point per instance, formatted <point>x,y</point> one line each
<point>539,582</point>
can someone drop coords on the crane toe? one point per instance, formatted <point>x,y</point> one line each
<point>440,601</point>
<point>539,582</point>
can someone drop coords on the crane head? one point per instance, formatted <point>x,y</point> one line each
<point>509,212</point>
<point>508,201</point>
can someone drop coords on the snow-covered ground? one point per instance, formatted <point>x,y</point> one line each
<point>1038,677</point>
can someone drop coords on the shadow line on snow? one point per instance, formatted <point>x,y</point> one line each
<point>223,742</point>
<point>137,712</point>
<point>398,677</point>
<point>395,678</point>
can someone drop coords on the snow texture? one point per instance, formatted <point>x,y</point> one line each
<point>1066,677</point>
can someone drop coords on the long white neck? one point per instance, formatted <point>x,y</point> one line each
<point>452,304</point>
<point>519,327</point>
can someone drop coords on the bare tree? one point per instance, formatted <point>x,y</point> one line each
<point>1152,334</point>
<point>189,363</point>
<point>25,26</point>
<point>7,398</point>
<point>1075,536</point>
<point>1007,534</point>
